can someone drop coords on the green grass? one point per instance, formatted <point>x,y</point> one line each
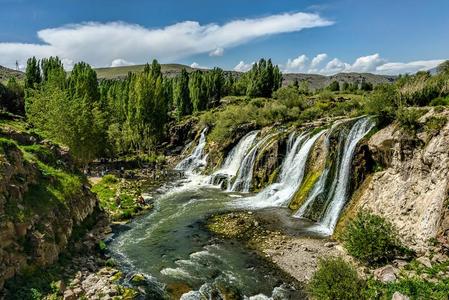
<point>107,190</point>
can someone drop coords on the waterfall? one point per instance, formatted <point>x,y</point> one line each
<point>233,160</point>
<point>195,160</point>
<point>292,174</point>
<point>317,190</point>
<point>245,174</point>
<point>339,190</point>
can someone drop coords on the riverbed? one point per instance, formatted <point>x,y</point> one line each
<point>180,258</point>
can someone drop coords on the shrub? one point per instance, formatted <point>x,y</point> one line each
<point>408,118</point>
<point>371,238</point>
<point>435,124</point>
<point>440,101</point>
<point>383,102</point>
<point>335,279</point>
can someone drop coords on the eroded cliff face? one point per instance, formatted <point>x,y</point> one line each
<point>411,188</point>
<point>40,204</point>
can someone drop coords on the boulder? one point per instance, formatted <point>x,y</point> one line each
<point>399,296</point>
<point>385,274</point>
<point>425,261</point>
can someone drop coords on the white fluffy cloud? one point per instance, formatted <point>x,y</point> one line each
<point>317,60</point>
<point>370,63</point>
<point>242,66</point>
<point>102,43</point>
<point>120,62</point>
<point>217,52</point>
<point>297,64</point>
<point>196,65</point>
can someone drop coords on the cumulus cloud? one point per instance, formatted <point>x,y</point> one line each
<point>297,64</point>
<point>367,63</point>
<point>196,65</point>
<point>373,63</point>
<point>120,62</point>
<point>317,60</point>
<point>242,66</point>
<point>217,52</point>
<point>101,43</point>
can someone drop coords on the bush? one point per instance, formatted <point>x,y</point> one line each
<point>371,238</point>
<point>335,279</point>
<point>383,102</point>
<point>440,101</point>
<point>408,118</point>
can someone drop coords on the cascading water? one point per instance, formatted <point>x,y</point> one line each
<point>318,189</point>
<point>234,159</point>
<point>195,160</point>
<point>245,175</point>
<point>338,193</point>
<point>292,173</point>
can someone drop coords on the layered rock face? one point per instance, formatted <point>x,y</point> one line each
<point>35,228</point>
<point>412,189</point>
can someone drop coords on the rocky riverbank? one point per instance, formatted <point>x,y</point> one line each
<point>296,255</point>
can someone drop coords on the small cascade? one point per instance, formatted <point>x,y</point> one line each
<point>292,174</point>
<point>338,191</point>
<point>244,178</point>
<point>233,160</point>
<point>318,189</point>
<point>195,160</point>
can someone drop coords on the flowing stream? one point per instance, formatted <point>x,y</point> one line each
<point>182,260</point>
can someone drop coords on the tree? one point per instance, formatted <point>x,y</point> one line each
<point>334,86</point>
<point>32,73</point>
<point>181,95</point>
<point>197,91</point>
<point>443,68</point>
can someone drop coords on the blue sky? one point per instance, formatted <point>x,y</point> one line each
<point>380,36</point>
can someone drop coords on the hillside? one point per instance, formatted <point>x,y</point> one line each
<point>315,81</point>
<point>6,73</point>
<point>120,72</point>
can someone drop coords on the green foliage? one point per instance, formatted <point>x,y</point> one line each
<point>440,101</point>
<point>414,287</point>
<point>32,73</point>
<point>334,86</point>
<point>435,124</point>
<point>384,101</point>
<point>408,118</point>
<point>12,97</point>
<point>181,95</point>
<point>261,81</point>
<point>443,68</point>
<point>336,280</point>
<point>119,201</point>
<point>371,238</point>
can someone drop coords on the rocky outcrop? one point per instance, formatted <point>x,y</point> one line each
<point>411,185</point>
<point>37,215</point>
<point>268,161</point>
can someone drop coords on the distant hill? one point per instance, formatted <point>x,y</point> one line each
<point>6,73</point>
<point>320,81</point>
<point>315,81</point>
<point>121,72</point>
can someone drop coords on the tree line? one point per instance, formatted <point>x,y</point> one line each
<point>108,118</point>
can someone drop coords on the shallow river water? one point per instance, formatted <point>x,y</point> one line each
<point>181,259</point>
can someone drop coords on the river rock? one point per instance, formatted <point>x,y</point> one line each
<point>385,274</point>
<point>399,296</point>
